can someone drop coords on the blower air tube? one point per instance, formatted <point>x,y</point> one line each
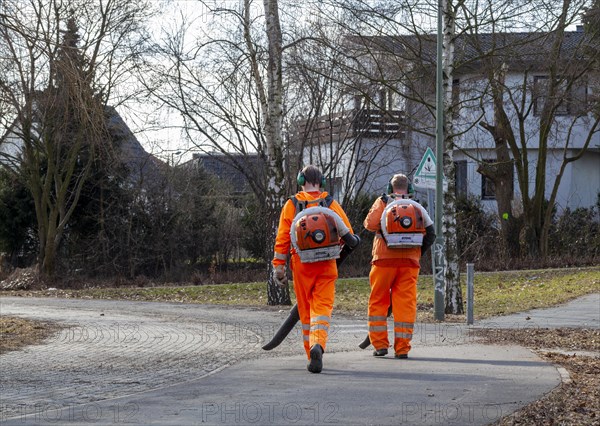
<point>351,240</point>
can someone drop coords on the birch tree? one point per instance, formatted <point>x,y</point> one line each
<point>225,80</point>
<point>272,106</point>
<point>453,298</point>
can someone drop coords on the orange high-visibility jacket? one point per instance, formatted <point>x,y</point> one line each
<point>380,250</point>
<point>283,240</point>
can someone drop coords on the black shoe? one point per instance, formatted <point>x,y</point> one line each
<point>316,359</point>
<point>380,352</point>
<point>401,356</point>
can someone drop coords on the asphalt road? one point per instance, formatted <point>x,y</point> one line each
<point>120,362</point>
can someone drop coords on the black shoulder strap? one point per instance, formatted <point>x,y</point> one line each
<point>387,197</point>
<point>301,205</point>
<point>298,205</point>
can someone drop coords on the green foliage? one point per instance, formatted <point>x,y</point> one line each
<point>165,228</point>
<point>17,218</point>
<point>253,221</point>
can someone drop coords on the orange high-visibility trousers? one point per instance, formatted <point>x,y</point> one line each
<point>314,284</point>
<point>397,284</point>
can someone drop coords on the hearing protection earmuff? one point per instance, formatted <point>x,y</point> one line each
<point>301,179</point>
<point>410,189</point>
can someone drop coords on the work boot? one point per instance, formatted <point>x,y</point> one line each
<point>316,359</point>
<point>401,356</point>
<point>380,352</point>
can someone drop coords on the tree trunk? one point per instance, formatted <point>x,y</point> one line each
<point>273,125</point>
<point>501,173</point>
<point>49,262</point>
<point>276,295</point>
<point>454,301</point>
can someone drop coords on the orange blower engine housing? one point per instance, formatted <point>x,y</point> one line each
<point>402,225</point>
<point>315,231</point>
<point>315,235</point>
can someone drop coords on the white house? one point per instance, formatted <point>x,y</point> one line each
<point>368,158</point>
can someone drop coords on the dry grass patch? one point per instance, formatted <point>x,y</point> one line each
<point>16,333</point>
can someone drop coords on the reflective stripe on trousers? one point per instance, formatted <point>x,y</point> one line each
<point>314,285</point>
<point>395,286</point>
<point>305,332</point>
<point>403,330</point>
<point>319,329</point>
<point>378,331</point>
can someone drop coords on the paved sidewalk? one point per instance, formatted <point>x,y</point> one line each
<point>449,379</point>
<point>583,312</point>
<point>461,385</point>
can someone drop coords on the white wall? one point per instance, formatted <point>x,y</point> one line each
<point>580,183</point>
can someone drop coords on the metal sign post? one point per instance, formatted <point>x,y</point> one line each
<point>431,210</point>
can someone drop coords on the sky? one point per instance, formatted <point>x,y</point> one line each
<point>165,139</point>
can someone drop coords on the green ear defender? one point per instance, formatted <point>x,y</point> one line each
<point>389,188</point>
<point>301,179</point>
<point>410,190</point>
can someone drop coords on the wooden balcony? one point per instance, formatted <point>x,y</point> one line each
<point>366,123</point>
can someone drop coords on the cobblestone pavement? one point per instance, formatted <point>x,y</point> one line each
<point>107,349</point>
<point>112,349</point>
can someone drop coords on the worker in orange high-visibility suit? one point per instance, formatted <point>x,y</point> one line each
<point>394,273</point>
<point>314,283</point>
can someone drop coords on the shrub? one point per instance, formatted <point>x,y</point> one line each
<point>576,234</point>
<point>477,232</point>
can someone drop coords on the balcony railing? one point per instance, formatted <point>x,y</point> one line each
<point>367,123</point>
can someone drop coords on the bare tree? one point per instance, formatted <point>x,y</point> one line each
<point>228,89</point>
<point>454,300</point>
<point>538,85</point>
<point>60,62</point>
<point>387,55</point>
<point>392,36</point>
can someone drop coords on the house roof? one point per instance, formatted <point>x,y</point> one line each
<point>518,49</point>
<point>227,168</point>
<point>144,168</point>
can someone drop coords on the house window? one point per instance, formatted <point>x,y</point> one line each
<point>578,101</point>
<point>488,188</point>
<point>570,97</point>
<point>382,99</point>
<point>455,98</point>
<point>460,168</point>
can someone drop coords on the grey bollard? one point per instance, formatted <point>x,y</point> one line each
<point>470,276</point>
